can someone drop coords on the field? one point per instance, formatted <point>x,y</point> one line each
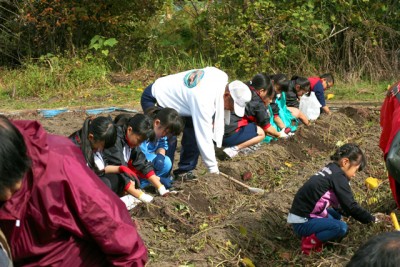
<point>214,222</point>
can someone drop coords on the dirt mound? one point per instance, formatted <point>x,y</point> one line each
<point>214,222</point>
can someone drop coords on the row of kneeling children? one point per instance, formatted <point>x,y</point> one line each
<point>134,152</point>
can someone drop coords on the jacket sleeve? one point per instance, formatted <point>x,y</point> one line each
<point>115,155</point>
<point>262,115</point>
<point>88,209</point>
<point>275,108</point>
<point>162,143</point>
<point>347,202</point>
<point>319,93</point>
<point>140,163</point>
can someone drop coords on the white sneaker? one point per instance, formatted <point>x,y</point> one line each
<point>130,201</point>
<point>231,151</point>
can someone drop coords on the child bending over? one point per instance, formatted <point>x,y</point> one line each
<point>319,204</point>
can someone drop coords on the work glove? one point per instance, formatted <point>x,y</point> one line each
<point>162,191</point>
<point>145,197</point>
<point>158,162</point>
<point>282,134</point>
<point>130,201</point>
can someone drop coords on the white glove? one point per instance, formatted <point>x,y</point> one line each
<point>282,134</point>
<point>145,198</point>
<point>162,190</point>
<point>130,201</point>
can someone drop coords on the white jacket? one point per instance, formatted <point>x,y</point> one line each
<point>201,102</point>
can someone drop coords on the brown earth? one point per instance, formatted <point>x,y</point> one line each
<point>214,222</point>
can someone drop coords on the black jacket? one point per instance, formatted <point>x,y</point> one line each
<point>115,156</point>
<point>331,178</point>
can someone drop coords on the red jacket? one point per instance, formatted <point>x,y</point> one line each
<point>390,124</point>
<point>313,81</point>
<point>64,215</point>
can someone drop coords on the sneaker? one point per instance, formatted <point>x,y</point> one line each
<point>188,176</point>
<point>231,151</point>
<point>310,243</point>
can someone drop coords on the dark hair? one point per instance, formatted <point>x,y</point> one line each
<point>277,78</point>
<point>353,153</point>
<point>122,119</point>
<point>262,81</point>
<point>328,77</point>
<point>303,82</point>
<point>102,129</point>
<point>382,250</point>
<point>169,118</point>
<point>14,160</point>
<point>141,125</point>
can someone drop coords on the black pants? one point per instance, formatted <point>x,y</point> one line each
<point>114,181</point>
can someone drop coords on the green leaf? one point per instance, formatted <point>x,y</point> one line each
<point>110,42</point>
<point>94,40</point>
<point>105,52</point>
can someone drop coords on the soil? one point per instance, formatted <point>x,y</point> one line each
<point>214,222</point>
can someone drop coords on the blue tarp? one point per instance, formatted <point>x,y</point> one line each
<point>49,113</point>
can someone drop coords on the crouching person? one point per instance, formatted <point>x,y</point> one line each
<point>319,204</point>
<point>54,210</point>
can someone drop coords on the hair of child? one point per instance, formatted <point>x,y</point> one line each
<point>141,125</point>
<point>102,129</point>
<point>169,118</point>
<point>277,78</point>
<point>261,81</point>
<point>328,77</point>
<point>353,153</point>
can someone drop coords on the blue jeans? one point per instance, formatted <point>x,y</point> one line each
<point>325,229</point>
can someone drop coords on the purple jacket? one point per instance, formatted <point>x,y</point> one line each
<point>64,215</point>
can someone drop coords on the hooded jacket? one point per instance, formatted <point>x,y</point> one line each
<point>63,214</point>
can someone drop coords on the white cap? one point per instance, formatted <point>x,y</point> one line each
<point>241,94</point>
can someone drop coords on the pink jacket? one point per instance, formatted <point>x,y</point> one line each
<point>64,215</point>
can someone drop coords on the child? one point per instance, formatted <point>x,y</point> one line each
<point>295,88</point>
<point>276,80</point>
<point>317,206</point>
<point>131,132</point>
<point>319,85</point>
<point>240,133</point>
<point>166,123</point>
<point>95,136</point>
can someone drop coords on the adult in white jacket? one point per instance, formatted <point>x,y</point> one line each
<point>204,98</point>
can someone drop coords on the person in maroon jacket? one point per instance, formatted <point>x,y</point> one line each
<point>55,211</point>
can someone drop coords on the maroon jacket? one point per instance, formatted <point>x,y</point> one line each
<point>64,215</point>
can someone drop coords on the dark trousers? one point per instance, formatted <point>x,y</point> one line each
<point>189,150</point>
<point>114,181</point>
